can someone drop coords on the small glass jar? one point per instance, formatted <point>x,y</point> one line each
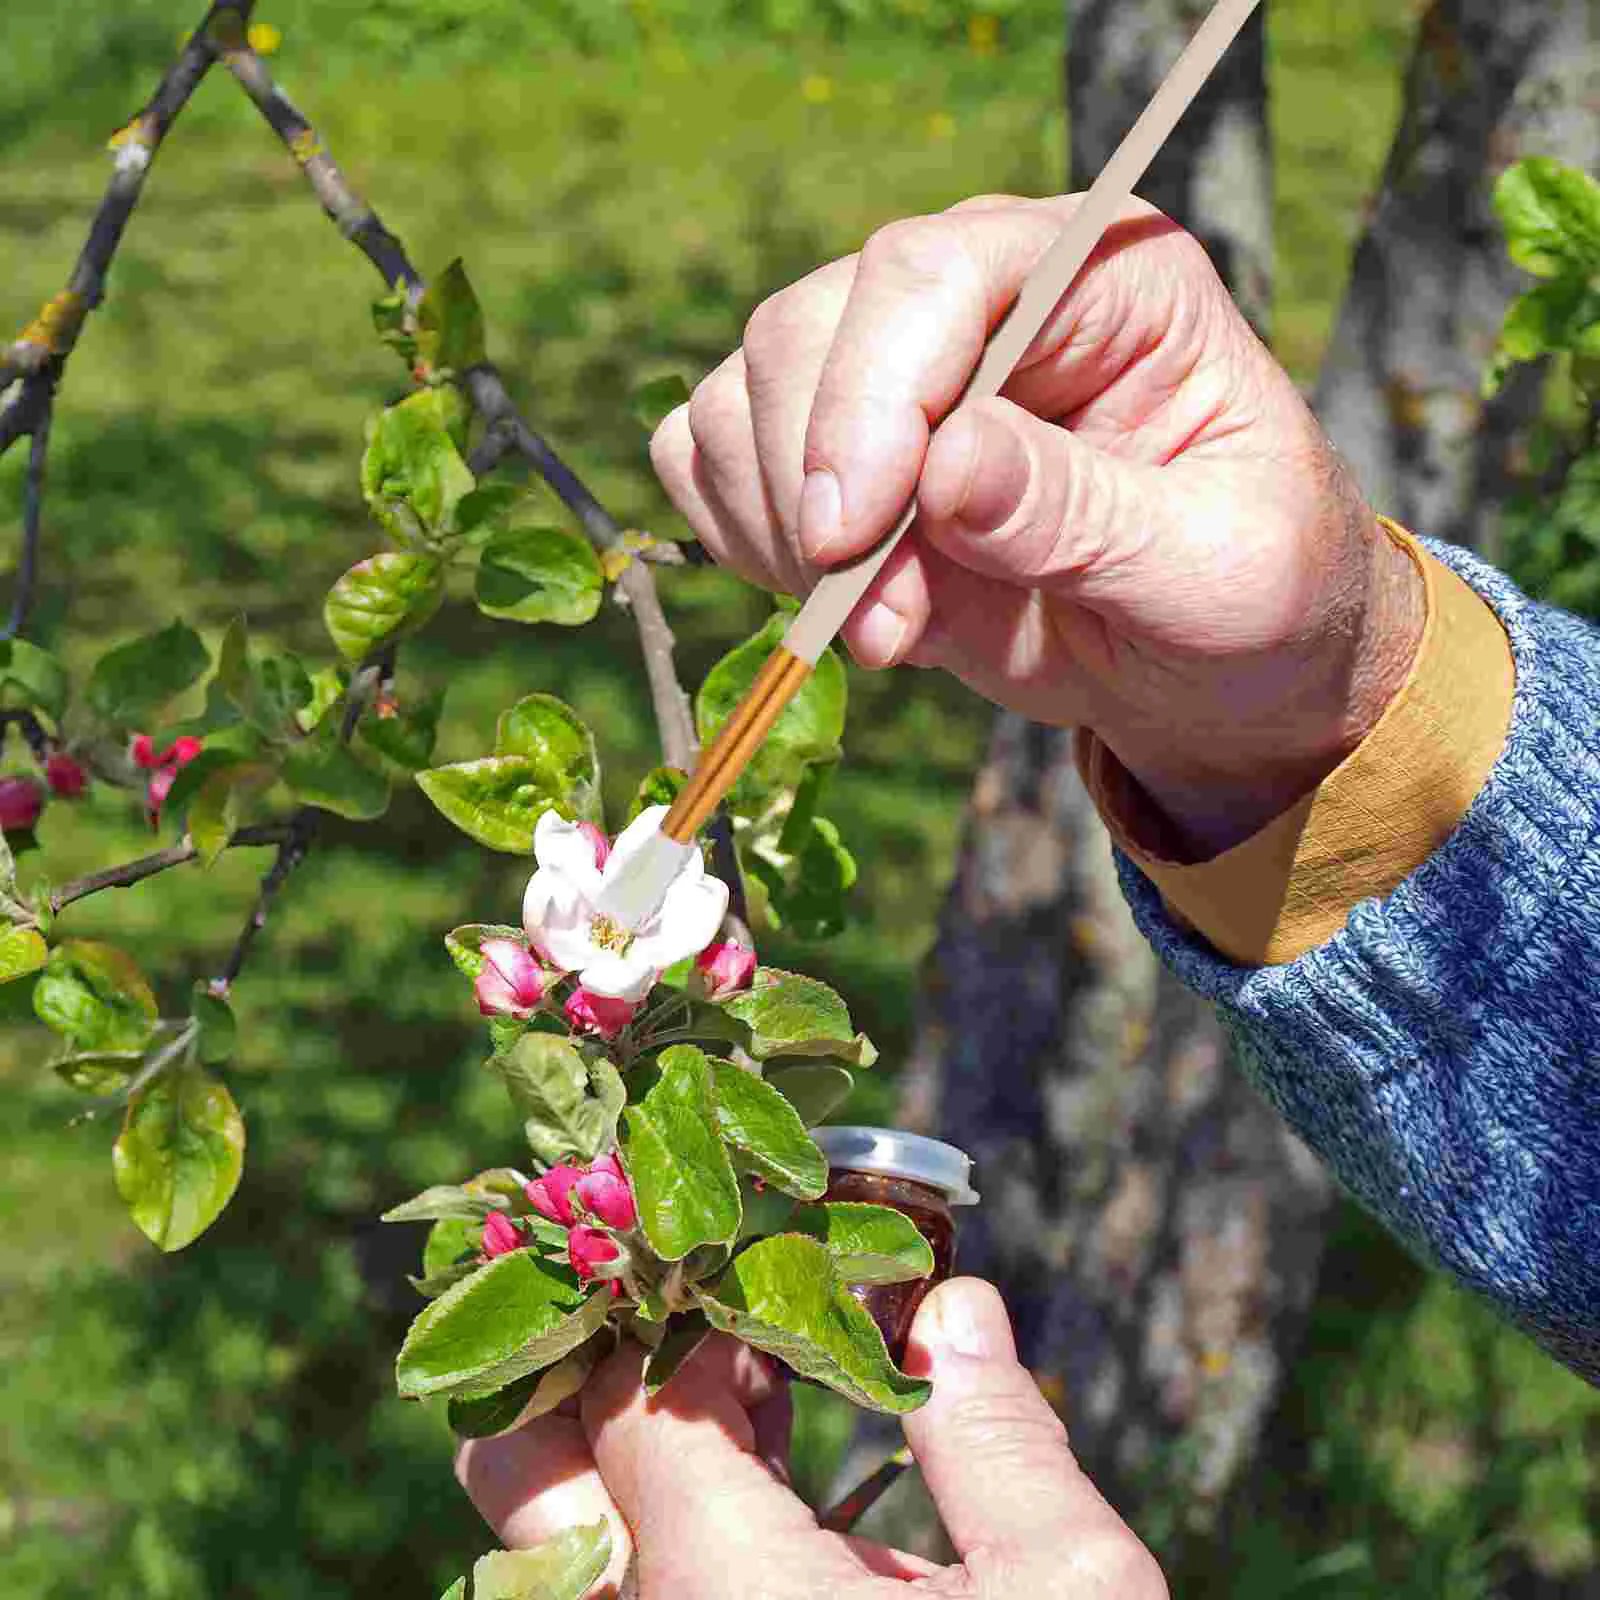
<point>920,1178</point>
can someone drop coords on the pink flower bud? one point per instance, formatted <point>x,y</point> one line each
<point>184,750</point>
<point>511,983</point>
<point>65,777</point>
<point>606,1197</point>
<point>604,1014</point>
<point>602,845</point>
<point>156,792</point>
<point>500,1235</point>
<point>726,967</point>
<point>590,1248</point>
<point>551,1195</point>
<point>21,801</point>
<point>608,1163</point>
<point>142,751</point>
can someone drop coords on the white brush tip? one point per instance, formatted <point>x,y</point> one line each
<point>638,890</point>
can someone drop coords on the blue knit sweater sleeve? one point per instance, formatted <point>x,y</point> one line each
<point>1442,1052</point>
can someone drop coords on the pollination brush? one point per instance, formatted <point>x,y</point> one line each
<point>636,893</point>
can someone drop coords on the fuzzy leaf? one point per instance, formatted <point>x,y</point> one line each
<point>550,1085</point>
<point>412,473</point>
<point>95,997</point>
<point>496,800</point>
<point>179,1156</point>
<point>816,1089</point>
<point>767,1132</point>
<point>382,599</point>
<point>548,731</point>
<point>539,574</point>
<point>527,1398</point>
<point>450,1241</point>
<point>789,1014</point>
<point>682,1179</point>
<point>324,771</point>
<point>783,1295</point>
<point>441,1202</point>
<point>22,950</point>
<point>515,1316</point>
<point>563,1567</point>
<point>868,1244</point>
<point>134,681</point>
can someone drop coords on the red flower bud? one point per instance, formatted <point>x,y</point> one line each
<point>590,1248</point>
<point>21,801</point>
<point>184,750</point>
<point>511,983</point>
<point>550,1195</point>
<point>602,845</point>
<point>608,1163</point>
<point>65,777</point>
<point>500,1235</point>
<point>725,967</point>
<point>143,751</point>
<point>607,1197</point>
<point>604,1014</point>
<point>156,792</point>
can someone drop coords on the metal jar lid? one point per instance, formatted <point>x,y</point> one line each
<point>889,1153</point>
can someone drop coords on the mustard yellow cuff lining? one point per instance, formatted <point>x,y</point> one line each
<point>1372,822</point>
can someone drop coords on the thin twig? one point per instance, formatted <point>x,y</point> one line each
<point>175,855</point>
<point>291,852</point>
<point>32,508</point>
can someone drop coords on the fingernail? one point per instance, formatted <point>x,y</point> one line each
<point>883,632</point>
<point>821,512</point>
<point>969,1320</point>
<point>1001,473</point>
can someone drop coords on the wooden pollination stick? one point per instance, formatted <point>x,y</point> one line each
<point>841,590</point>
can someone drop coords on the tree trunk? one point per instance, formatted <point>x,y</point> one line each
<point>1400,393</point>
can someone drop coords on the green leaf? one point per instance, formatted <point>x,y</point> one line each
<point>95,997</point>
<point>816,1089</point>
<point>515,1316</point>
<point>179,1156</point>
<point>441,1202</point>
<point>497,800</point>
<point>449,1240</point>
<point>412,473</point>
<point>808,731</point>
<point>782,1295</point>
<point>868,1244</point>
<point>22,950</point>
<point>767,1132</point>
<point>682,1179</point>
<point>1551,317</point>
<point>547,730</point>
<point>686,1331</point>
<point>406,737</point>
<point>392,321</point>
<point>450,322</point>
<point>32,678</point>
<point>789,1014</point>
<point>653,402</point>
<point>488,511</point>
<point>539,574</point>
<point>98,1072</point>
<point>218,1031</point>
<point>268,692</point>
<point>327,685</point>
<point>134,681</point>
<point>465,943</point>
<point>527,1398</point>
<point>213,815</point>
<point>564,1567</point>
<point>382,599</point>
<point>659,787</point>
<point>1551,214</point>
<point>569,1105</point>
<point>324,771</point>
<point>806,891</point>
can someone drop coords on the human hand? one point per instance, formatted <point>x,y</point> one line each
<point>1147,534</point>
<point>696,1476</point>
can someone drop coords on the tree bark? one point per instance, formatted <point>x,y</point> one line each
<point>1400,393</point>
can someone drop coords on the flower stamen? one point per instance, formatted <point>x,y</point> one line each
<point>610,936</point>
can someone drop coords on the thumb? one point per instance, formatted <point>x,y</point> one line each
<point>996,1460</point>
<point>1009,495</point>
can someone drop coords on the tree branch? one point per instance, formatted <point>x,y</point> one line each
<point>32,505</point>
<point>291,852</point>
<point>132,872</point>
<point>507,428</point>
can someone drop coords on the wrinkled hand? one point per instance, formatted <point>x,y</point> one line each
<point>1147,535</point>
<point>697,1478</point>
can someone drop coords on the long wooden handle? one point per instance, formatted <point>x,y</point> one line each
<point>841,590</point>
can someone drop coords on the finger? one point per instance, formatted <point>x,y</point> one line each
<point>888,623</point>
<point>997,1463</point>
<point>539,1480</point>
<point>924,298</point>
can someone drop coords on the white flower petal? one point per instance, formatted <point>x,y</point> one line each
<point>560,847</point>
<point>686,923</point>
<point>622,977</point>
<point>558,920</point>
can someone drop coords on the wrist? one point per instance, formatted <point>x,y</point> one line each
<point>1216,788</point>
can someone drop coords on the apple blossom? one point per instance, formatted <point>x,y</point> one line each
<point>511,983</point>
<point>607,1197</point>
<point>602,845</point>
<point>611,958</point>
<point>549,1195</point>
<point>65,777</point>
<point>500,1235</point>
<point>156,792</point>
<point>725,967</point>
<point>598,1013</point>
<point>589,1248</point>
<point>21,801</point>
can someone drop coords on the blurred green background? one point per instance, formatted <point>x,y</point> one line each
<point>625,182</point>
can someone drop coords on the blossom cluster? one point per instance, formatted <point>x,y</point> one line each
<point>163,766</point>
<point>587,1201</point>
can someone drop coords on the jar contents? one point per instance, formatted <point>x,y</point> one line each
<point>894,1305</point>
